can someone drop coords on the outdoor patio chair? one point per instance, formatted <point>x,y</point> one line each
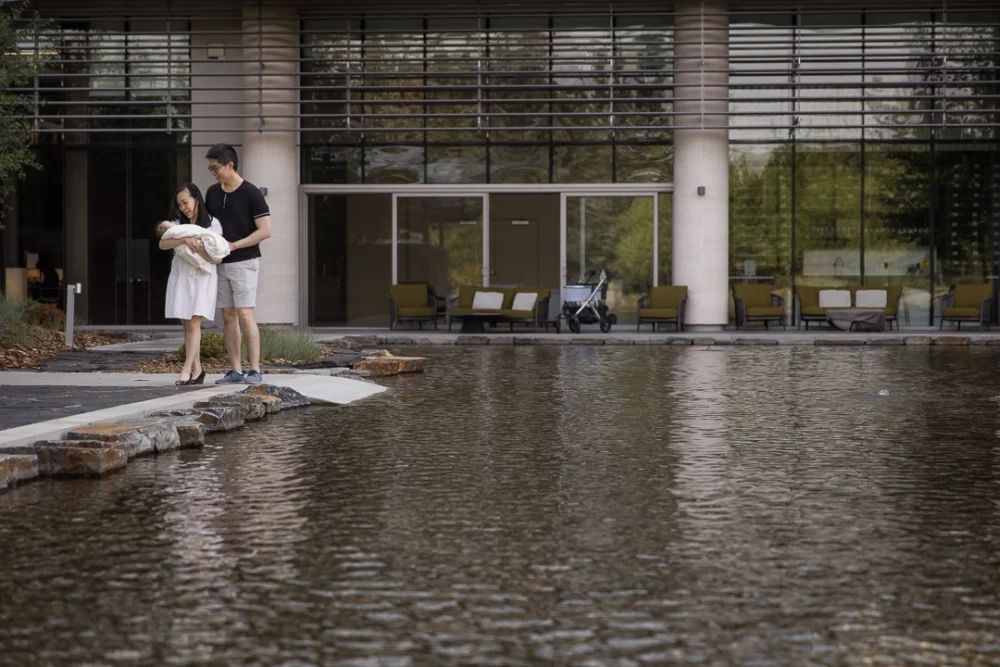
<point>757,303</point>
<point>967,303</point>
<point>663,305</point>
<point>412,302</point>
<point>530,306</point>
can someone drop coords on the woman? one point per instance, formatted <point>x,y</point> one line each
<point>191,292</point>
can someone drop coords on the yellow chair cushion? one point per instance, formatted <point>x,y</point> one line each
<point>667,296</point>
<point>519,314</point>
<point>960,312</point>
<point>426,311</point>
<point>764,311</point>
<point>409,296</point>
<point>808,297</point>
<point>658,313</point>
<point>754,295</point>
<point>815,311</point>
<point>972,296</point>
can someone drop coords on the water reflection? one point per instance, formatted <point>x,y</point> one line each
<point>546,505</point>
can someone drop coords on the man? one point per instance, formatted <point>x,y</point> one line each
<point>246,221</point>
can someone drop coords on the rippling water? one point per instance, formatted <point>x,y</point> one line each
<point>574,506</point>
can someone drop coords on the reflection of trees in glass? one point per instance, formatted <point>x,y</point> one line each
<point>463,245</point>
<point>616,234</point>
<point>760,214</point>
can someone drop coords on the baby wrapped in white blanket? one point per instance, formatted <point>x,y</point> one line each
<point>215,245</point>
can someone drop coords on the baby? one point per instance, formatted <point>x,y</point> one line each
<point>211,247</point>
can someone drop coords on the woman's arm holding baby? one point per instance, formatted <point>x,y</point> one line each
<point>208,258</point>
<point>194,243</point>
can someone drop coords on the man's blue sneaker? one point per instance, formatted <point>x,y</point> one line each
<point>232,377</point>
<point>254,377</point>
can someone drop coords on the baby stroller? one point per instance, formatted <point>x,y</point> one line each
<point>585,302</point>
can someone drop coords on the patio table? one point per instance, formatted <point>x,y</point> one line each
<point>857,319</point>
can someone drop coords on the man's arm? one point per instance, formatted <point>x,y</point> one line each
<point>263,232</point>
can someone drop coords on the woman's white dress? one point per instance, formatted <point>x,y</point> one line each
<point>190,291</point>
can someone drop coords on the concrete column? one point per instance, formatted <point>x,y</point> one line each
<point>218,91</point>
<point>270,156</point>
<point>701,159</point>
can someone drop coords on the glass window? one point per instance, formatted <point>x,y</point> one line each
<point>455,50</point>
<point>897,225</point>
<point>644,163</point>
<point>350,259</point>
<point>456,164</point>
<point>831,60</point>
<point>519,164</point>
<point>614,234</point>
<point>965,216</point>
<point>393,55</point>
<point>759,89</point>
<point>518,73</point>
<point>643,53</point>
<point>440,242</point>
<point>828,215</point>
<point>581,78</point>
<point>582,164</point>
<point>760,216</point>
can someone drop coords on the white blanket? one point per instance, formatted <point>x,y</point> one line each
<point>216,246</point>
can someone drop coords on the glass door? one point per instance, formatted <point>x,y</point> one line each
<point>440,240</point>
<point>616,233</point>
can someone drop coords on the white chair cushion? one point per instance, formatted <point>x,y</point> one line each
<point>871,298</point>
<point>487,301</point>
<point>834,298</point>
<point>524,301</point>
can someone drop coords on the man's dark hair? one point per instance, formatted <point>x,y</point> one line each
<point>223,154</point>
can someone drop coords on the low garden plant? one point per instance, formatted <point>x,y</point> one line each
<point>289,345</point>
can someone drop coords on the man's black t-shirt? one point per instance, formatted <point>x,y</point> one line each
<point>237,212</point>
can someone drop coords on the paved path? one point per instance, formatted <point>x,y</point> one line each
<point>20,405</point>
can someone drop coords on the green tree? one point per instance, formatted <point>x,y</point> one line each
<point>19,64</point>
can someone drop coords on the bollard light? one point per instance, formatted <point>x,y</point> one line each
<point>71,292</point>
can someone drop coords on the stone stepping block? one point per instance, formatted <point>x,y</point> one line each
<point>216,418</point>
<point>17,469</point>
<point>386,365</point>
<point>191,433</point>
<point>149,438</point>
<point>289,397</point>
<point>81,458</point>
<point>271,403</point>
<point>252,412</point>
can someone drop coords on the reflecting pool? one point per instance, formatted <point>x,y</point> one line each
<point>546,505</point>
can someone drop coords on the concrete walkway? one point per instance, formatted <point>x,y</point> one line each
<point>319,389</point>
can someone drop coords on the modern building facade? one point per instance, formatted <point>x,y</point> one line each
<point>469,142</point>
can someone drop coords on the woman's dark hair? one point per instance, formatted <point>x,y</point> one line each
<point>204,219</point>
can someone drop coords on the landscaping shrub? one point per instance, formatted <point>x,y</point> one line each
<point>46,315</point>
<point>288,344</point>
<point>14,328</point>
<point>213,346</point>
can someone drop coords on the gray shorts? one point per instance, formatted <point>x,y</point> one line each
<point>238,284</point>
